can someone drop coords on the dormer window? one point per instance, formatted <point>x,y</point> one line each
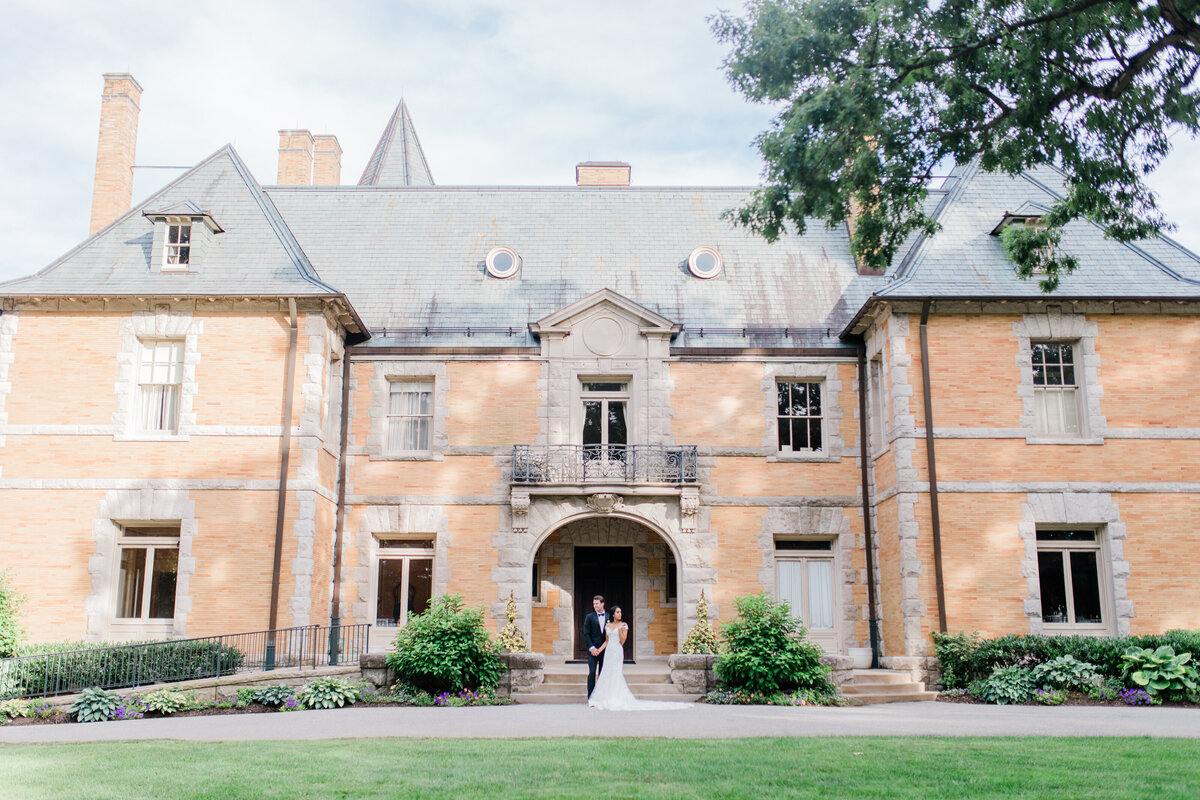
<point>179,246</point>
<point>183,234</point>
<point>1010,219</point>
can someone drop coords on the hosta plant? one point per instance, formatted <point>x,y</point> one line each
<point>272,695</point>
<point>96,705</point>
<point>1163,671</point>
<point>327,693</point>
<point>1064,672</point>
<point>165,701</point>
<point>1006,685</point>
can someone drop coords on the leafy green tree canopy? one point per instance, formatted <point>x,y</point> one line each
<point>875,94</point>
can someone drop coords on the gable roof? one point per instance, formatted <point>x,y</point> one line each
<point>606,297</point>
<point>398,159</point>
<point>256,255</point>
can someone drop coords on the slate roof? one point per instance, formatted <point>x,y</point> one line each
<point>398,159</point>
<point>255,256</point>
<point>414,258</point>
<point>963,260</point>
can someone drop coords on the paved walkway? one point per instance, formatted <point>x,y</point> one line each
<point>695,722</point>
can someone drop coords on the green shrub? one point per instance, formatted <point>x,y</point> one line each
<point>96,705</point>
<point>327,693</point>
<point>10,618</point>
<point>1162,671</point>
<point>1064,672</point>
<point>1106,653</point>
<point>954,652</point>
<point>1006,685</point>
<point>766,652</point>
<point>166,701</point>
<point>446,649</point>
<point>271,695</point>
<point>115,666</point>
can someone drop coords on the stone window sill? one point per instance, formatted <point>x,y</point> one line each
<point>1077,440</point>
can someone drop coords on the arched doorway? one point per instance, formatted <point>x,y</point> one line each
<point>627,562</point>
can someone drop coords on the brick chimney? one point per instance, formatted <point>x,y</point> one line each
<point>327,161</point>
<point>112,191</point>
<point>295,158</point>
<point>602,173</point>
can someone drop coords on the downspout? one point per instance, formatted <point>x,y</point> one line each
<point>933,485</point>
<point>335,618</point>
<point>285,445</point>
<point>868,533</point>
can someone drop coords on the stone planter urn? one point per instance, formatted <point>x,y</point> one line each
<point>861,657</point>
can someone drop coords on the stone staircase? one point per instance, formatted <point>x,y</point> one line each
<point>871,686</point>
<point>567,683</point>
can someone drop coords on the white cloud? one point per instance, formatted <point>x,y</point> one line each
<point>501,93</point>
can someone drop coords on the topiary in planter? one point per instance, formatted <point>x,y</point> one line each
<point>766,652</point>
<point>701,639</point>
<point>446,649</point>
<point>511,639</point>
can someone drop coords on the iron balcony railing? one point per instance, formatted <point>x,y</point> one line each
<point>603,463</point>
<point>123,666</point>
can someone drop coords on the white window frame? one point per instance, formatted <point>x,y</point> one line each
<point>604,397</point>
<point>404,418</point>
<point>827,637</point>
<point>177,255</point>
<point>1044,393</point>
<point>151,544</point>
<point>1054,327</point>
<point>820,417</point>
<point>405,554</point>
<point>166,389</point>
<point>1103,568</point>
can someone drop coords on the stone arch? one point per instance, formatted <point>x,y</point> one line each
<point>660,519</point>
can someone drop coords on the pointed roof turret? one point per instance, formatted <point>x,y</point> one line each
<point>398,159</point>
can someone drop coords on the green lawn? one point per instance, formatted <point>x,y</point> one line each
<point>865,768</point>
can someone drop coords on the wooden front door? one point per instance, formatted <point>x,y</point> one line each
<point>605,571</point>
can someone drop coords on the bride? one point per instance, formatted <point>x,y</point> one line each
<point>611,692</point>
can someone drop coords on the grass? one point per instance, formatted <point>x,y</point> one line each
<point>579,767</point>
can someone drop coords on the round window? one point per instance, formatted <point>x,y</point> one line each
<point>502,262</point>
<point>704,262</point>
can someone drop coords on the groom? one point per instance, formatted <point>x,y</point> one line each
<point>593,635</point>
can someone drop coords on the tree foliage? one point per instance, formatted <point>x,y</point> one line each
<point>874,95</point>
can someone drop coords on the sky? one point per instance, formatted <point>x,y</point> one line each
<point>500,92</point>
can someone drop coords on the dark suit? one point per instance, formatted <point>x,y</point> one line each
<point>593,635</point>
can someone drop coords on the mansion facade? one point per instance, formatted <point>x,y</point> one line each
<point>239,406</point>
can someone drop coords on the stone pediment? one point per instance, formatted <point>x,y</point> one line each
<point>604,325</point>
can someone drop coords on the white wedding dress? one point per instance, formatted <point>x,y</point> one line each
<point>611,692</point>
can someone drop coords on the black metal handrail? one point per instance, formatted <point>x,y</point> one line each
<point>604,463</point>
<point>139,664</point>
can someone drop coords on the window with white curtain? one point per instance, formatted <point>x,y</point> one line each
<point>804,578</point>
<point>1055,388</point>
<point>160,381</point>
<point>410,416</point>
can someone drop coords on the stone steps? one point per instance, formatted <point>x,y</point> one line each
<point>567,684</point>
<point>874,686</point>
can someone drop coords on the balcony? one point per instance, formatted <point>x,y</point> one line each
<point>576,464</point>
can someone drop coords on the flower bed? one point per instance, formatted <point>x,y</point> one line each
<point>1070,670</point>
<point>99,705</point>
